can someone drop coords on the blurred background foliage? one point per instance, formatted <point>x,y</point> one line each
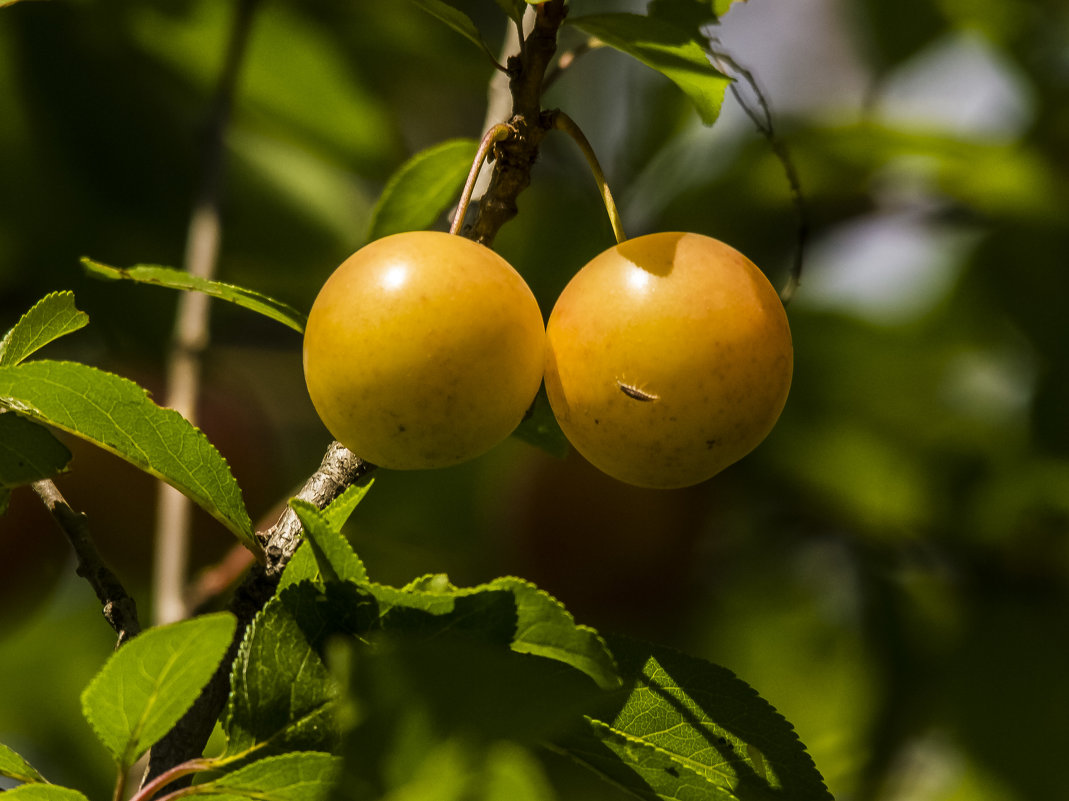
<point>890,569</point>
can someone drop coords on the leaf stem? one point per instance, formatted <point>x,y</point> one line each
<point>562,122</point>
<point>490,138</point>
<point>149,789</point>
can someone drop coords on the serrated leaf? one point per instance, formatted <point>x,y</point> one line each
<point>301,567</point>
<point>422,188</point>
<point>15,767</point>
<point>171,278</point>
<point>509,610</point>
<point>296,776</point>
<point>281,692</point>
<point>666,48</point>
<point>53,316</point>
<point>687,723</point>
<point>28,452</point>
<point>458,21</point>
<point>43,792</point>
<point>334,556</point>
<point>149,683</point>
<point>339,510</point>
<point>117,415</point>
<point>545,628</point>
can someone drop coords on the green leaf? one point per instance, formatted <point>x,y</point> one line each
<point>530,622</point>
<point>339,510</point>
<point>545,628</point>
<point>669,49</point>
<point>296,776</point>
<point>43,792</point>
<point>148,684</point>
<point>15,767</point>
<point>422,188</point>
<point>334,555</point>
<point>458,21</point>
<point>281,692</point>
<point>50,318</point>
<point>180,279</point>
<point>690,725</point>
<point>117,415</point>
<point>301,567</point>
<point>28,452</point>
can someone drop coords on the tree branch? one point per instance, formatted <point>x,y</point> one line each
<point>339,469</point>
<point>119,608</point>
<point>516,155</point>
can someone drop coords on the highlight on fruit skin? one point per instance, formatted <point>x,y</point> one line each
<point>669,358</point>
<point>423,350</point>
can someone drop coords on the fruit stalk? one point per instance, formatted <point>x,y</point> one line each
<point>562,122</point>
<point>490,138</point>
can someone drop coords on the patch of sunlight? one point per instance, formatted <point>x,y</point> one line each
<point>887,268</point>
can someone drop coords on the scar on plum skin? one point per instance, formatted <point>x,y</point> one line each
<point>638,394</point>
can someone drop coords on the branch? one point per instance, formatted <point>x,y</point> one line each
<point>119,608</point>
<point>339,469</point>
<point>516,155</point>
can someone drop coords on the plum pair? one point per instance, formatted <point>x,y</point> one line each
<point>666,358</point>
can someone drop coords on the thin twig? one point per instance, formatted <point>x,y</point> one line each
<point>763,121</point>
<point>568,59</point>
<point>190,338</point>
<point>119,608</point>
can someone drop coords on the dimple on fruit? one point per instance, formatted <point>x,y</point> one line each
<point>669,358</point>
<point>422,350</point>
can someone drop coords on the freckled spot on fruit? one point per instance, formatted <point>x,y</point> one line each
<point>710,443</point>
<point>638,394</point>
<point>401,429</point>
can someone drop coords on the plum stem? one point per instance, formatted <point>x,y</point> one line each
<point>562,122</point>
<point>490,138</point>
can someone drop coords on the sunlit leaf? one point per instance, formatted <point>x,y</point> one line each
<point>180,279</point>
<point>15,767</point>
<point>117,415</point>
<point>509,610</point>
<point>334,555</point>
<point>422,188</point>
<point>43,792</point>
<point>666,48</point>
<point>28,452</point>
<point>149,683</point>
<point>296,776</point>
<point>50,318</point>
<point>281,692</point>
<point>688,725</point>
